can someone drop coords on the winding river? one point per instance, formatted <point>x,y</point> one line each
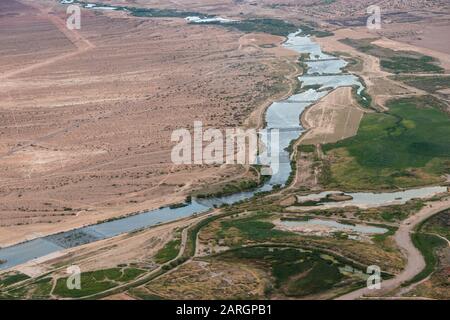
<point>324,73</point>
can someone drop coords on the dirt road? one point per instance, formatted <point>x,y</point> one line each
<point>415,261</point>
<point>82,44</point>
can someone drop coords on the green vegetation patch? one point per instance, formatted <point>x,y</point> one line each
<point>143,294</point>
<point>396,61</point>
<point>363,98</point>
<point>407,146</point>
<point>312,31</point>
<point>271,26</point>
<point>253,228</point>
<point>178,205</point>
<point>428,245</point>
<point>307,148</point>
<point>168,252</point>
<point>427,240</point>
<point>438,224</point>
<point>161,13</point>
<point>399,212</point>
<point>148,12</point>
<point>97,281</point>
<point>382,239</point>
<point>12,278</point>
<point>295,272</point>
<point>42,288</point>
<point>391,213</point>
<point>403,64</point>
<point>431,84</point>
<point>193,233</point>
<point>231,188</point>
<point>39,288</point>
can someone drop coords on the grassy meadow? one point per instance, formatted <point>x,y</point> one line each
<point>405,147</point>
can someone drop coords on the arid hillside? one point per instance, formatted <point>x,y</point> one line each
<point>86,115</point>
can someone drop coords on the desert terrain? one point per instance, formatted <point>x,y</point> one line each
<point>86,118</point>
<point>87,115</point>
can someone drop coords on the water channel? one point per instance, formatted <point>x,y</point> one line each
<point>325,74</point>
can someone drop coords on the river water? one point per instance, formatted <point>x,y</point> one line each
<point>325,72</point>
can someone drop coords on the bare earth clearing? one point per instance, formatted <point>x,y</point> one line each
<point>86,123</point>
<point>335,117</point>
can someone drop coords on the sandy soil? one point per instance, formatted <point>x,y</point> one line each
<point>119,296</point>
<point>40,40</point>
<point>335,117</point>
<point>306,175</point>
<point>86,122</point>
<point>430,32</point>
<point>443,57</point>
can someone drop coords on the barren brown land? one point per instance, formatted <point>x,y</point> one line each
<point>86,118</point>
<point>334,118</point>
<point>86,115</point>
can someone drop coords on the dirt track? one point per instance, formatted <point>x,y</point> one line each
<point>415,261</point>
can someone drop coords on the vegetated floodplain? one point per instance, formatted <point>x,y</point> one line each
<point>236,230</point>
<point>427,244</point>
<point>148,12</point>
<point>229,189</point>
<point>168,13</point>
<point>438,224</point>
<point>253,228</point>
<point>405,147</point>
<point>435,252</point>
<point>312,31</point>
<point>307,148</point>
<point>431,84</point>
<point>40,288</point>
<point>363,98</point>
<point>8,279</point>
<point>377,215</point>
<point>295,272</point>
<point>393,213</point>
<point>271,26</point>
<point>240,230</point>
<point>97,281</point>
<point>168,252</point>
<point>396,61</point>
